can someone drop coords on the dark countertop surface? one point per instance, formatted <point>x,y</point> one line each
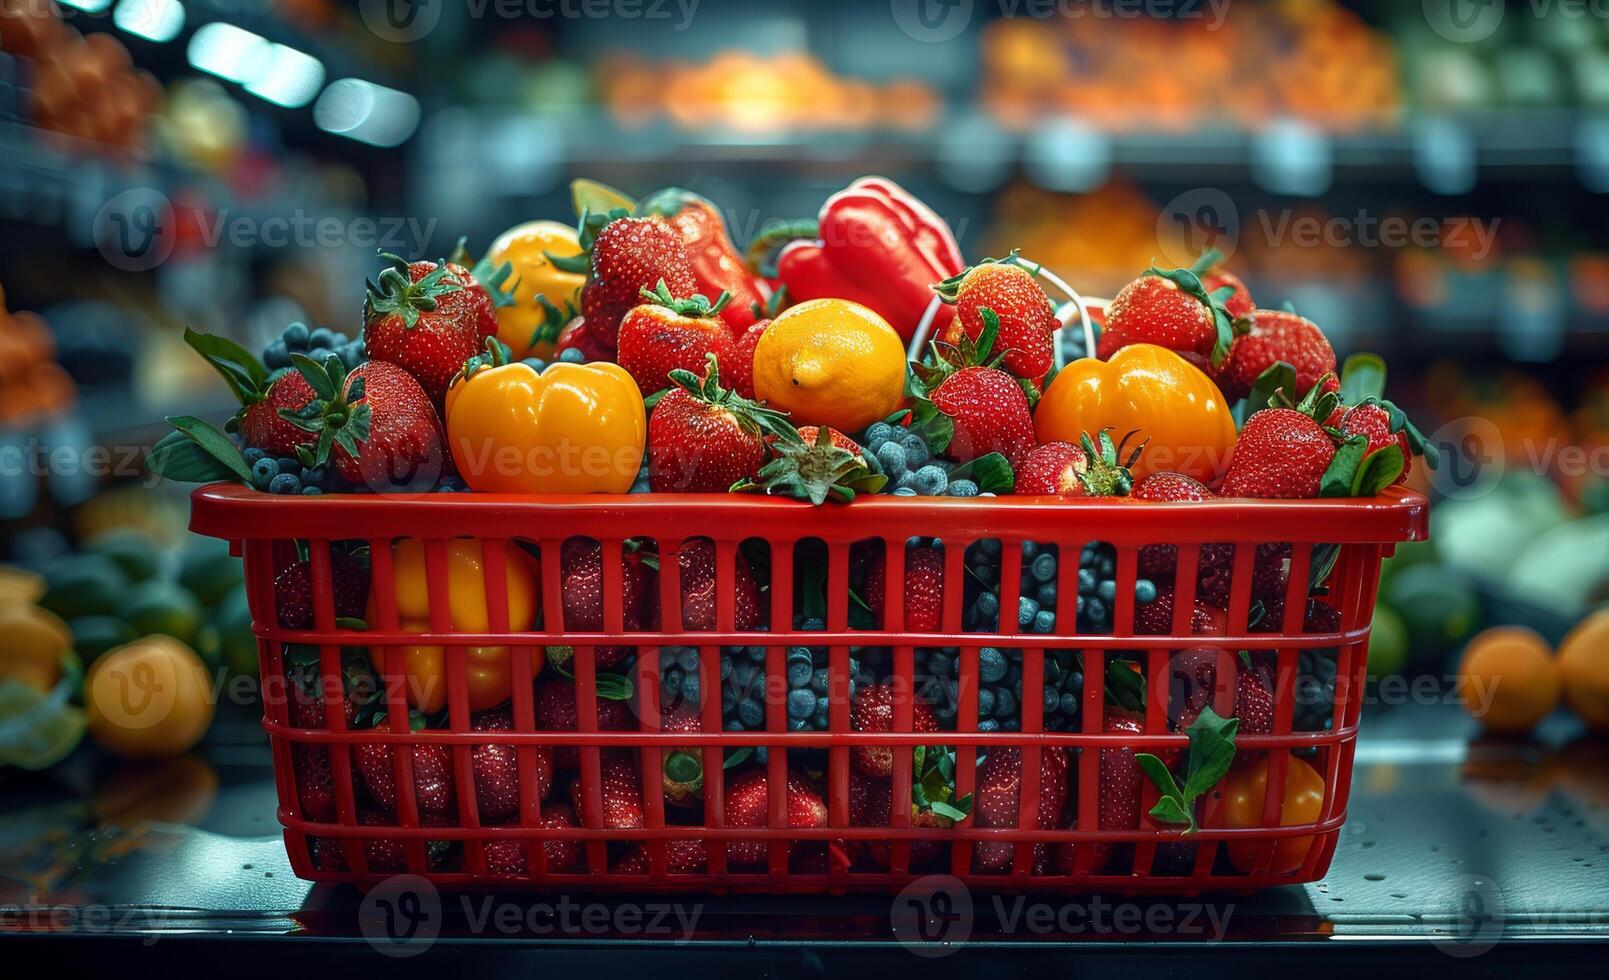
<point>1458,852</point>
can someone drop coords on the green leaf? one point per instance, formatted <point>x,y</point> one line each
<point>1168,809</point>
<point>955,813</point>
<point>176,457</point>
<point>1343,470</point>
<point>1212,751</point>
<point>1324,559</point>
<point>350,623</point>
<point>214,443</point>
<point>1277,376</point>
<point>737,756</point>
<point>593,196</point>
<point>1363,376</point>
<point>316,376</point>
<point>240,368</point>
<point>38,729</point>
<point>1124,687</point>
<point>1379,470</point>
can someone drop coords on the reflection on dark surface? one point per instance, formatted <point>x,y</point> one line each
<point>192,844</point>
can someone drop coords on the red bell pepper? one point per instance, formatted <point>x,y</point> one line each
<point>717,265</point>
<point>879,246</point>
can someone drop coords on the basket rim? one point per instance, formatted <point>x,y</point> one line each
<point>235,512</point>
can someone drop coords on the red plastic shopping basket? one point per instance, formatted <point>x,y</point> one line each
<point>1154,857</point>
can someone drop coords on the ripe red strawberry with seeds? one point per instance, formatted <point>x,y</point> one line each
<point>1052,469</point>
<point>990,413</point>
<point>1373,422</point>
<point>629,255</point>
<point>304,699</point>
<point>575,336</point>
<point>1165,486</point>
<point>696,562</point>
<point>669,333</point>
<point>581,562</point>
<point>433,785</point>
<point>872,710</point>
<point>377,425</point>
<point>748,805</point>
<point>998,795</point>
<point>507,857</point>
<point>556,712</point>
<point>1282,454</point>
<point>387,854</point>
<point>1005,291</point>
<point>496,769</point>
<point>1155,618</point>
<point>1193,676</point>
<point>427,318</point>
<point>1270,571</point>
<point>702,438</point>
<point>741,373</point>
<point>1169,308</point>
<point>924,586</point>
<point>871,802</point>
<point>682,770</point>
<point>262,397</point>
<point>1238,302</point>
<point>1267,337</point>
<point>620,792</point>
<point>293,591</point>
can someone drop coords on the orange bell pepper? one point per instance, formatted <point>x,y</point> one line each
<point>1244,792</point>
<point>1170,404</point>
<point>423,669</point>
<point>573,428</point>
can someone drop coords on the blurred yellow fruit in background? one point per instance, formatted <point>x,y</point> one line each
<point>1508,680</point>
<point>149,700</point>
<point>1584,670</point>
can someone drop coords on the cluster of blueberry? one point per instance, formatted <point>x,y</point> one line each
<point>911,467</point>
<point>317,344</point>
<point>285,475</point>
<point>1036,606</point>
<point>743,684</point>
<point>1315,691</point>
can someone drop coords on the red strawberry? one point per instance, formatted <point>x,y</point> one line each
<point>1193,679</point>
<point>556,712</point>
<point>377,424</point>
<point>258,421</point>
<point>682,772</point>
<point>1239,302</point>
<point>872,710</point>
<point>1318,617</point>
<point>582,577</point>
<point>990,412</point>
<point>1164,486</point>
<point>748,805</point>
<point>1270,336</point>
<point>1281,453</point>
<point>428,318</point>
<point>507,857</point>
<point>1373,422</point>
<point>497,770</point>
<point>696,562</point>
<point>741,372</point>
<point>924,587</point>
<point>575,336</point>
<point>871,803</point>
<point>809,433</point>
<point>1270,570</point>
<point>683,855</point>
<point>1155,618</point>
<point>628,256</point>
<point>1020,309</point>
<point>702,438</point>
<point>668,333</point>
<point>620,787</point>
<point>1053,469</point>
<point>633,862</point>
<point>293,591</point>
<point>998,796</point>
<point>304,697</point>
<point>1169,308</point>
<point>432,774</point>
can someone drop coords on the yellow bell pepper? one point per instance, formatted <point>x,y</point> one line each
<point>1152,391</point>
<point>573,428</point>
<point>35,644</point>
<point>545,296</point>
<point>490,675</point>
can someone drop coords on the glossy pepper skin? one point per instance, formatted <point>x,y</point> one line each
<point>489,674</point>
<point>1152,391</point>
<point>717,265</point>
<point>1244,791</point>
<point>878,246</point>
<point>573,428</point>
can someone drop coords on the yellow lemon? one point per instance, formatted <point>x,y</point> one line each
<point>830,362</point>
<point>1508,680</point>
<point>150,699</point>
<point>527,325</point>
